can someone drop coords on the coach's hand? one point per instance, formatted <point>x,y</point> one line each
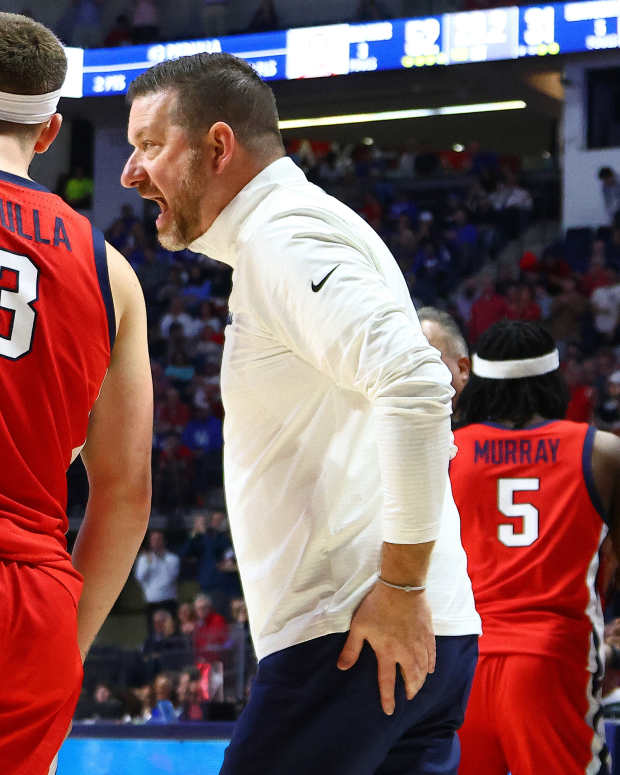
<point>398,626</point>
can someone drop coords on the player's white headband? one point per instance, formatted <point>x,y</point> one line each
<point>525,367</point>
<point>28,108</point>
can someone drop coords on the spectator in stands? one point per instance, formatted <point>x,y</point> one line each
<point>104,704</point>
<point>152,274</point>
<point>79,189</point>
<point>176,314</point>
<point>488,308</point>
<point>567,311</point>
<point>553,268</point>
<point>265,17</point>
<point>521,304</point>
<point>240,647</point>
<point>211,631</point>
<point>173,475</point>
<point>172,414</point>
<point>203,435</point>
<point>180,341</point>
<point>163,640</point>
<point>157,571</point>
<point>163,711</point>
<point>120,33</point>
<point>145,21</point>
<point>229,583</point>
<point>161,384</point>
<point>513,205</point>
<point>404,243</point>
<point>207,543</point>
<point>605,305</point>
<point>598,273</point>
<point>610,188</point>
<point>187,619</point>
<point>198,287</point>
<point>581,404</point>
<point>608,408</point>
<point>207,317</point>
<point>189,697</point>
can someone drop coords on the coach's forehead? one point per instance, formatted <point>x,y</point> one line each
<point>151,112</point>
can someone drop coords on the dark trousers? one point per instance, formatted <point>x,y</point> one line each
<point>306,717</point>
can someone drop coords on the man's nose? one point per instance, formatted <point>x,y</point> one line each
<point>133,173</point>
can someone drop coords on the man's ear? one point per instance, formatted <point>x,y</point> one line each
<point>464,364</point>
<point>221,142</point>
<point>48,133</point>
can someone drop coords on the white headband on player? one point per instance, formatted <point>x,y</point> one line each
<point>28,108</point>
<point>526,367</point>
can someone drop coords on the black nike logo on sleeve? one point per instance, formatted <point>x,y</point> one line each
<point>316,288</point>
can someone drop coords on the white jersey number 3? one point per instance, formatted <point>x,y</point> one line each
<point>18,303</point>
<point>506,489</point>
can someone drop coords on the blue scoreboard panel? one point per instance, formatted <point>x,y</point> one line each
<point>340,49</point>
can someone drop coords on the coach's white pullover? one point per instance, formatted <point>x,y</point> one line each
<point>337,427</point>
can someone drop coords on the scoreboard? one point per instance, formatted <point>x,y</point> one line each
<point>340,49</point>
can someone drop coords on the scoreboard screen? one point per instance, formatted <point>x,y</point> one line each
<point>340,49</point>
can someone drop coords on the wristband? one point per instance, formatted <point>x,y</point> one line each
<point>402,587</point>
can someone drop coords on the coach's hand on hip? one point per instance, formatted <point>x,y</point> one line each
<point>398,626</point>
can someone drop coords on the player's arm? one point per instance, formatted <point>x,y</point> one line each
<point>117,457</point>
<point>606,471</point>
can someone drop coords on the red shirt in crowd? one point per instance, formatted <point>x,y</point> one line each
<point>210,633</point>
<point>486,310</point>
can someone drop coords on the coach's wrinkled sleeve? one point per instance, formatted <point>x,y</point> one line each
<point>354,330</point>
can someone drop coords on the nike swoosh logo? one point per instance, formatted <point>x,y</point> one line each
<point>317,288</point>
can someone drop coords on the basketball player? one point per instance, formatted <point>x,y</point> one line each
<point>337,433</point>
<point>74,371</point>
<point>536,495</point>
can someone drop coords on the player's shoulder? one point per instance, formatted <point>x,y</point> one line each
<point>606,449</point>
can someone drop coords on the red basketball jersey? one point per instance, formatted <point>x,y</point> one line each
<point>56,332</point>
<point>532,527</point>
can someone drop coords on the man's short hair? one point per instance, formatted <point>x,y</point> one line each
<point>216,87</point>
<point>454,339</point>
<point>605,172</point>
<point>32,59</point>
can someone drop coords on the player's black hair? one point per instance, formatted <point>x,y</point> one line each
<point>513,401</point>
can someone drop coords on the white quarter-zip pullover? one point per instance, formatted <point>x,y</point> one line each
<point>337,426</point>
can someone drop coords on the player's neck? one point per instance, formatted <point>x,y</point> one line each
<point>14,157</point>
<point>535,419</point>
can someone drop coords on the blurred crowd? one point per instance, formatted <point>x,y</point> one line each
<point>97,24</point>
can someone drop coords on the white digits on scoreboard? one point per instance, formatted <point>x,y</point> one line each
<point>539,26</point>
<point>506,533</point>
<point>421,37</point>
<point>18,302</point>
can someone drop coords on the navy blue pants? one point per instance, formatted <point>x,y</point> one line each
<point>306,717</point>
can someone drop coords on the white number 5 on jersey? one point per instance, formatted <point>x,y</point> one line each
<point>506,489</point>
<point>19,303</point>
